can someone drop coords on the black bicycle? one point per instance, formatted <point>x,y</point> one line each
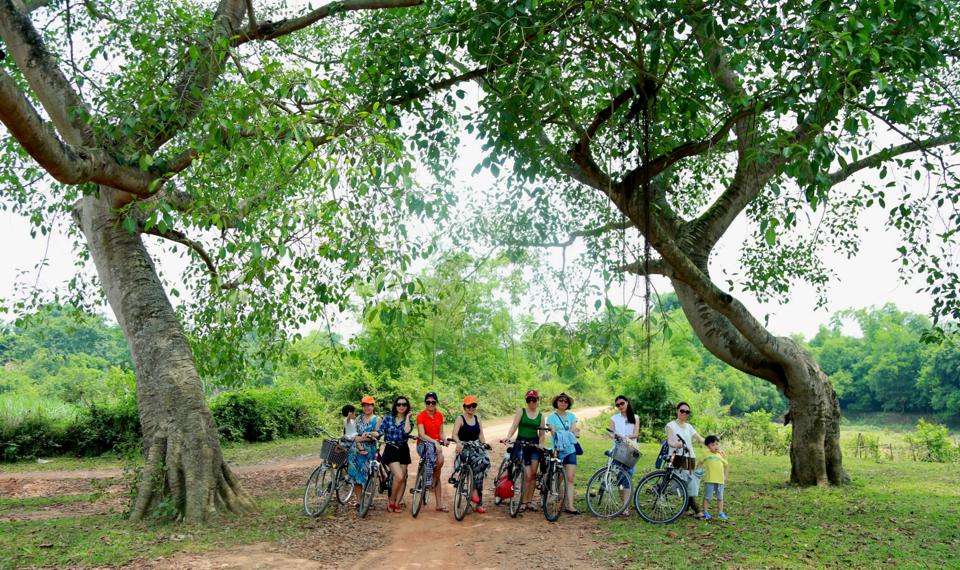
<point>552,481</point>
<point>329,478</point>
<point>419,489</point>
<point>463,479</point>
<point>661,496</point>
<point>513,467</point>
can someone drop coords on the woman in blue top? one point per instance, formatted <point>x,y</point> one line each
<point>566,431</point>
<point>364,448</point>
<point>396,455</point>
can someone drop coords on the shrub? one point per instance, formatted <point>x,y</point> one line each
<point>262,414</point>
<point>931,442</point>
<point>100,429</point>
<point>757,432</point>
<point>30,437</point>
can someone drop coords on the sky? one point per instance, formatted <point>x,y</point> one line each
<point>869,279</point>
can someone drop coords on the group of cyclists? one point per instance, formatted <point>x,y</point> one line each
<point>530,425</point>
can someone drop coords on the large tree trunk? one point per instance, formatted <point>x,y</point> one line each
<point>183,461</point>
<point>815,455</point>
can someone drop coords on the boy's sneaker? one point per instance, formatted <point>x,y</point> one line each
<point>698,472</point>
<point>706,516</point>
<point>723,516</point>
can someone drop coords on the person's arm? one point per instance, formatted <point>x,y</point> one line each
<point>613,430</point>
<point>421,433</point>
<point>455,436</point>
<point>515,424</point>
<point>697,435</point>
<point>636,431</point>
<point>574,427</point>
<point>726,470</point>
<point>543,424</point>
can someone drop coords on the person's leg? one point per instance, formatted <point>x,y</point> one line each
<point>720,500</point>
<point>570,471</point>
<point>437,487</point>
<point>532,471</point>
<point>399,479</point>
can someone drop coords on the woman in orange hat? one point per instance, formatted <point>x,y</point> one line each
<point>528,423</point>
<point>364,449</point>
<point>467,428</point>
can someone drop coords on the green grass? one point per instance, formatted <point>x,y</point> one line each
<point>35,503</point>
<point>113,540</point>
<point>16,407</point>
<point>894,513</point>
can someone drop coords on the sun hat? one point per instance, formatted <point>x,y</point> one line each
<point>563,395</point>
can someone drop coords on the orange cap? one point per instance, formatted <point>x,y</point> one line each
<point>469,400</point>
<point>367,400</point>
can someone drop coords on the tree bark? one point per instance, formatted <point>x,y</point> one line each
<point>815,455</point>
<point>183,462</point>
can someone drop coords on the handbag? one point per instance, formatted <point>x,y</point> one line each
<point>577,449</point>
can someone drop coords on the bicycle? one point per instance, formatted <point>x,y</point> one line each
<point>329,478</point>
<point>551,481</point>
<point>463,480</point>
<point>379,477</point>
<point>513,466</point>
<point>419,489</point>
<point>661,496</point>
<point>605,489</point>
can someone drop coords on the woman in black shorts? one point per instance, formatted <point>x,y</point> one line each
<point>396,454</point>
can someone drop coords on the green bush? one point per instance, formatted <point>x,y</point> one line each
<point>262,414</point>
<point>100,429</point>
<point>931,442</point>
<point>29,438</point>
<point>757,432</point>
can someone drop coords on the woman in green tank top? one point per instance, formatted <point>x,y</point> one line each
<point>525,424</point>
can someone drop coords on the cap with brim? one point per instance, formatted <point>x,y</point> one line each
<point>469,400</point>
<point>563,395</point>
<point>533,394</point>
<point>367,400</point>
<point>431,395</point>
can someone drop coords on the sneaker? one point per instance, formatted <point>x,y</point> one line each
<point>479,509</point>
<point>723,516</point>
<point>698,472</point>
<point>706,516</point>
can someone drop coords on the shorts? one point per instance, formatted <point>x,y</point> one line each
<point>393,454</point>
<point>530,454</point>
<point>626,475</point>
<point>570,459</point>
<point>713,490</point>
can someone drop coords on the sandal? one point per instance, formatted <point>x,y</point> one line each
<point>533,508</point>
<point>443,509</point>
<point>625,514</point>
<point>480,510</point>
<point>571,511</point>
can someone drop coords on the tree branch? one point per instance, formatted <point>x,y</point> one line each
<point>713,54</point>
<point>591,232</point>
<point>196,247</point>
<point>59,100</point>
<point>66,163</point>
<point>651,267</point>
<point>270,30</point>
<point>878,158</point>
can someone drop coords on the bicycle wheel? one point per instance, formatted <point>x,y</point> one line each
<point>343,485</point>
<point>463,492</point>
<point>319,489</point>
<point>519,487</point>
<point>605,496</point>
<point>368,492</point>
<point>418,492</point>
<point>660,498</point>
<point>504,465</point>
<point>553,494</point>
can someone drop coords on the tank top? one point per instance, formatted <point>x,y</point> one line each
<point>528,427</point>
<point>469,432</point>
<point>622,426</point>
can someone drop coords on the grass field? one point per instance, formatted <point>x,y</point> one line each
<point>893,514</point>
<point>902,513</point>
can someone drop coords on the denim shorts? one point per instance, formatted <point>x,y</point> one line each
<point>626,475</point>
<point>713,490</point>
<point>529,453</point>
<point>570,459</point>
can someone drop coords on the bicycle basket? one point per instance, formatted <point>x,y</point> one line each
<point>625,453</point>
<point>332,453</point>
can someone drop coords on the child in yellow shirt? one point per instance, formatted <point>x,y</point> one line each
<point>715,469</point>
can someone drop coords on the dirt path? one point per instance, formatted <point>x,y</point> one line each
<point>432,540</point>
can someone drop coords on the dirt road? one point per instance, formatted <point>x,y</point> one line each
<point>432,540</point>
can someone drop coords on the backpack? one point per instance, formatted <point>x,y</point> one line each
<point>663,455</point>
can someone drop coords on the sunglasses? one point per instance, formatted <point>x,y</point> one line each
<point>684,411</point>
<point>621,404</point>
<point>564,400</point>
<point>404,404</point>
<point>431,402</point>
<point>469,406</point>
<point>532,400</point>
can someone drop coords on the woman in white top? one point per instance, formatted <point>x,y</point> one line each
<point>680,427</point>
<point>625,426</point>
